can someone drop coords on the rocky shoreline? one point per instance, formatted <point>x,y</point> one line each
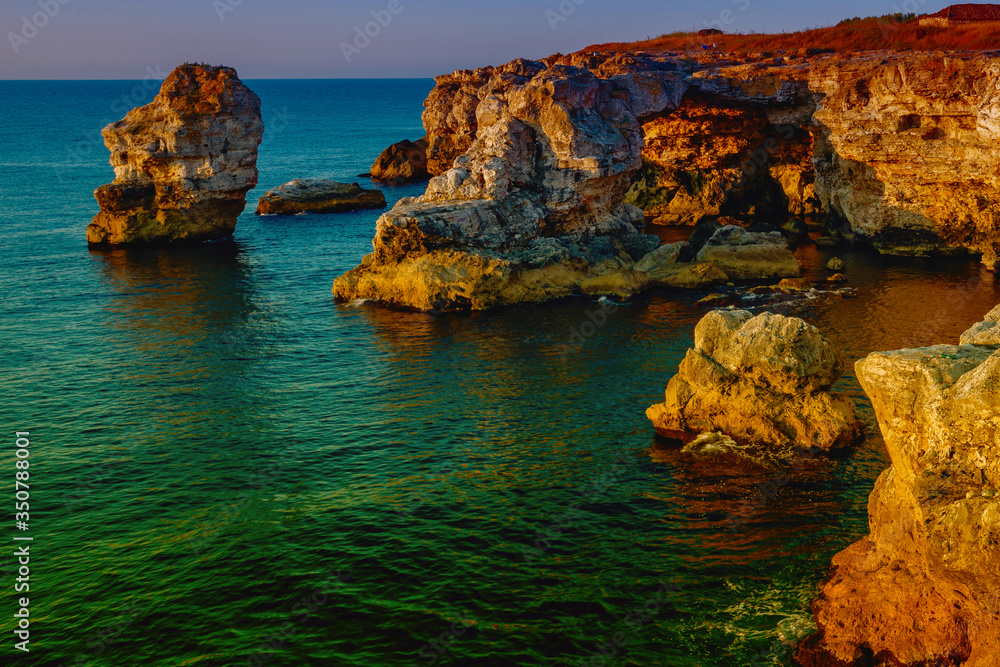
<point>545,176</point>
<point>890,150</point>
<point>921,588</point>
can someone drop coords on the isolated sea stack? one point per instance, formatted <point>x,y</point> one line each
<point>923,588</point>
<point>761,380</point>
<point>403,162</point>
<point>183,163</point>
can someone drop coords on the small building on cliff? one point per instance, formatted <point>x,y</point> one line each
<point>964,14</point>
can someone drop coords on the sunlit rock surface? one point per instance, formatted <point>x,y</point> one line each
<point>745,255</point>
<point>892,149</point>
<point>534,209</point>
<point>922,587</point>
<point>761,380</point>
<point>183,163</point>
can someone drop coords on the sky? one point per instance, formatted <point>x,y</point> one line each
<point>278,39</point>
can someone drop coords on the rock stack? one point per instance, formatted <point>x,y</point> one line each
<point>763,381</point>
<point>183,163</point>
<point>923,588</point>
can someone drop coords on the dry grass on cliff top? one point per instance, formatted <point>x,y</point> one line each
<point>871,34</point>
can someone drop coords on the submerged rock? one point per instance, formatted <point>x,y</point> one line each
<point>745,255</point>
<point>921,588</point>
<point>762,381</point>
<point>403,162</point>
<point>183,163</point>
<point>318,195</point>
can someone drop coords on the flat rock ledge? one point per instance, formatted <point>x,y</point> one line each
<point>922,587</point>
<point>459,276</point>
<point>763,381</point>
<point>318,195</point>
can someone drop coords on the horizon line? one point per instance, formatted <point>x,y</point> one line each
<point>293,78</point>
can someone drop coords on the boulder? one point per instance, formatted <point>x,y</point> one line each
<point>665,255</point>
<point>790,285</point>
<point>921,588</point>
<point>403,162</point>
<point>183,163</point>
<point>317,195</point>
<point>836,264</point>
<point>762,380</point>
<point>744,255</point>
<point>796,228</point>
<point>986,333</point>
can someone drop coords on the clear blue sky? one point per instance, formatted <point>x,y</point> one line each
<point>119,39</point>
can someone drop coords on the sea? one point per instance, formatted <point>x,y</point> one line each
<point>226,467</point>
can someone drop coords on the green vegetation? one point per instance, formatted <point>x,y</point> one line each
<point>885,18</point>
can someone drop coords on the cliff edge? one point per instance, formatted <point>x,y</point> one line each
<point>922,587</point>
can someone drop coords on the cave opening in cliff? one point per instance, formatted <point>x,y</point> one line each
<point>715,158</point>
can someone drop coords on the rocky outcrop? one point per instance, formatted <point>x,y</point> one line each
<point>986,333</point>
<point>906,151</point>
<point>745,255</point>
<point>922,587</point>
<point>403,162</point>
<point>317,195</point>
<point>762,381</point>
<point>534,209</point>
<point>894,149</point>
<point>183,163</point>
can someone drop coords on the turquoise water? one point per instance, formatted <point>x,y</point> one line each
<point>230,469</point>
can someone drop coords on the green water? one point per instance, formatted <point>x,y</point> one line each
<point>228,468</point>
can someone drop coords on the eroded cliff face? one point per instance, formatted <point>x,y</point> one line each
<point>717,157</point>
<point>922,588</point>
<point>183,163</point>
<point>908,158</point>
<point>558,161</point>
<point>534,209</point>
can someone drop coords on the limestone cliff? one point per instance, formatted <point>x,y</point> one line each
<point>922,587</point>
<point>534,209</point>
<point>908,156</point>
<point>183,163</point>
<point>893,149</point>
